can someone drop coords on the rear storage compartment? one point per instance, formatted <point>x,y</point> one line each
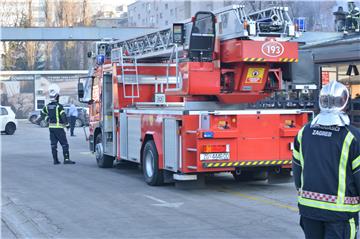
<point>247,140</point>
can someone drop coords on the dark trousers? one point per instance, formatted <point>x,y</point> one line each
<point>72,124</point>
<point>314,229</point>
<point>59,135</point>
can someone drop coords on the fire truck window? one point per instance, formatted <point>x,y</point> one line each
<point>202,37</point>
<point>203,24</point>
<point>88,89</point>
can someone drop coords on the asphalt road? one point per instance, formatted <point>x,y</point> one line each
<point>42,200</point>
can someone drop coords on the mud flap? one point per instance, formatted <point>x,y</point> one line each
<point>280,175</point>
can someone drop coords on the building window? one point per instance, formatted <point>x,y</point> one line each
<point>166,6</point>
<point>171,12</point>
<point>160,15</point>
<point>40,104</point>
<point>166,23</point>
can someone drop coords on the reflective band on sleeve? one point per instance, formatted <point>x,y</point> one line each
<point>61,112</point>
<point>356,163</point>
<point>45,110</point>
<point>296,154</point>
<point>352,228</point>
<point>301,157</point>
<point>328,206</point>
<point>342,167</point>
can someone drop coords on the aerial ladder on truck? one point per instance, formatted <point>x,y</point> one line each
<point>175,100</point>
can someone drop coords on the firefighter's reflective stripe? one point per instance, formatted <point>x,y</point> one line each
<point>328,198</point>
<point>296,154</point>
<point>342,167</point>
<point>57,125</point>
<point>45,110</point>
<point>328,206</point>
<point>301,157</point>
<point>57,115</point>
<point>352,228</point>
<point>61,112</point>
<point>356,163</point>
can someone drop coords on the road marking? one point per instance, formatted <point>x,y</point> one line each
<point>162,203</point>
<point>263,200</point>
<point>155,199</point>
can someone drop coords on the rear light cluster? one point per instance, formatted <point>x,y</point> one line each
<point>216,148</point>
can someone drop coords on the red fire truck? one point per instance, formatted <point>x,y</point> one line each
<point>178,101</point>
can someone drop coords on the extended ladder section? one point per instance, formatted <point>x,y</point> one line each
<point>233,23</point>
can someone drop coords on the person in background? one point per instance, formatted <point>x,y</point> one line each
<point>73,113</point>
<point>326,169</point>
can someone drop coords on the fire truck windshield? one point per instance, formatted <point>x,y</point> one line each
<point>88,82</point>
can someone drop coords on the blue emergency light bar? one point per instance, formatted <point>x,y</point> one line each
<point>100,59</point>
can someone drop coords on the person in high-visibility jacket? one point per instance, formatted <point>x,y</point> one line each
<point>54,113</point>
<point>326,169</point>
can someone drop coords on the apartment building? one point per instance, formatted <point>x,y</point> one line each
<point>160,13</point>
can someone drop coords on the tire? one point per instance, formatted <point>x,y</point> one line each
<point>10,128</point>
<point>78,123</point>
<point>150,162</point>
<point>33,119</point>
<point>43,124</point>
<point>244,176</point>
<point>102,160</point>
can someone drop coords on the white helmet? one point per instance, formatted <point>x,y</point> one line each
<point>333,100</point>
<point>54,95</point>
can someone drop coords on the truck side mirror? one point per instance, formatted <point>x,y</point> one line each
<point>178,33</point>
<point>80,90</point>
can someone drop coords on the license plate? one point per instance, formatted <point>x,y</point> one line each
<point>215,156</point>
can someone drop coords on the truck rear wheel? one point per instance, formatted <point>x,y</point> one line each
<point>243,176</point>
<point>150,165</point>
<point>103,161</point>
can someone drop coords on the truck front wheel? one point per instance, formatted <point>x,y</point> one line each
<point>103,161</point>
<point>150,165</point>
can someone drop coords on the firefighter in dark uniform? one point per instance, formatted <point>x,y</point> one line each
<point>326,168</point>
<point>54,113</point>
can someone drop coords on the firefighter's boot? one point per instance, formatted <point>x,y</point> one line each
<point>67,158</point>
<point>55,157</point>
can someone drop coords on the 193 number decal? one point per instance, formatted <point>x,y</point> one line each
<point>272,49</point>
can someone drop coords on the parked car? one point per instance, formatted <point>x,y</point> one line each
<point>8,123</point>
<point>33,115</point>
<point>82,119</point>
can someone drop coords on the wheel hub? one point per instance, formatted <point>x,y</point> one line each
<point>99,152</point>
<point>149,164</point>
